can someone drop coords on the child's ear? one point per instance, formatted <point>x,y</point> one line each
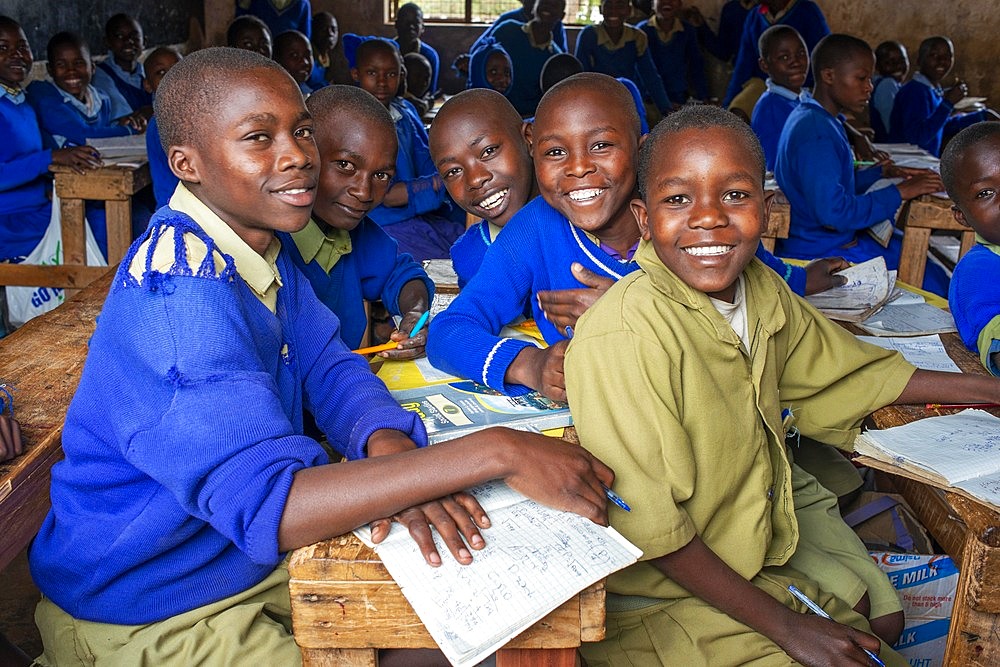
<point>48,68</point>
<point>146,86</point>
<point>959,216</point>
<point>355,75</point>
<point>826,76</point>
<point>638,207</point>
<point>185,163</point>
<point>762,63</point>
<point>527,130</point>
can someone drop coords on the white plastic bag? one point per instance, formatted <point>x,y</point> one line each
<point>24,303</point>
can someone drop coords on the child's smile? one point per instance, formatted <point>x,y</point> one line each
<point>705,210</point>
<point>788,62</point>
<point>15,56</point>
<point>71,70</point>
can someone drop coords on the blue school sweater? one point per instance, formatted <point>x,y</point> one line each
<point>61,116</point>
<point>317,77</point>
<point>414,167</point>
<point>815,169</point>
<point>373,270</point>
<point>104,83</point>
<point>533,253</point>
<point>528,60</point>
<point>24,165</point>
<point>803,15</point>
<point>296,16</point>
<point>523,16</point>
<point>678,60</point>
<point>468,251</point>
<point>129,85</point>
<point>769,116</point>
<point>164,181</point>
<point>974,299</point>
<point>630,58</point>
<point>921,115</point>
<point>185,433</point>
<point>723,46</point>
<point>884,91</point>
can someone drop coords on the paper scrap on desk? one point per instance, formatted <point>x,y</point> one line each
<point>535,559</point>
<point>867,285</point>
<point>909,320</point>
<point>926,352</point>
<point>129,147</point>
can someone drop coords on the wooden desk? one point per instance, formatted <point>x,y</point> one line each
<point>778,222</point>
<point>114,185</point>
<point>922,216</point>
<point>42,362</point>
<point>968,531</point>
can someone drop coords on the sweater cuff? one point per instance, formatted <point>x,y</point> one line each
<point>797,279</point>
<point>498,361</point>
<point>394,418</point>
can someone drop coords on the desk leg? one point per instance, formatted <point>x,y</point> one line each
<point>119,217</point>
<point>73,237</point>
<point>339,657</point>
<point>535,657</point>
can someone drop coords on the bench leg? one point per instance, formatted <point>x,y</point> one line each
<point>339,657</point>
<point>119,224</point>
<point>535,657</point>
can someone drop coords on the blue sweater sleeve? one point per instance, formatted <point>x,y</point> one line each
<point>15,171</point>
<point>586,43</point>
<point>745,66</point>
<point>919,115</point>
<point>432,57</point>
<point>463,339</point>
<point>795,276</point>
<point>651,82</point>
<point>58,118</point>
<point>559,37</point>
<point>384,270</point>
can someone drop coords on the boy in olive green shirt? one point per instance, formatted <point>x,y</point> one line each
<point>707,348</point>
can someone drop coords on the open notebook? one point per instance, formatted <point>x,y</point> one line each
<point>535,559</point>
<point>959,451</point>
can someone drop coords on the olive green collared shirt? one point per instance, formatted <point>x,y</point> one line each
<point>689,417</point>
<point>259,272</point>
<point>629,34</point>
<point>325,248</point>
<point>666,32</point>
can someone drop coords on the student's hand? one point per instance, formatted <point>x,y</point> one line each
<point>454,516</point>
<point>461,65</point>
<point>956,92</point>
<point>540,369</point>
<point>10,438</point>
<point>564,307</point>
<point>922,183</point>
<point>409,348</point>
<point>136,121</point>
<point>813,640</point>
<point>560,475</point>
<point>820,274</point>
<point>78,158</point>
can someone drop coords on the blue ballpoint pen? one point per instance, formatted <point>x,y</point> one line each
<point>816,609</point>
<point>616,499</point>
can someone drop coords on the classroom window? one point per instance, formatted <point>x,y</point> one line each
<point>578,12</point>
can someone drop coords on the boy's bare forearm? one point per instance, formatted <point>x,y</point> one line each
<point>940,387</point>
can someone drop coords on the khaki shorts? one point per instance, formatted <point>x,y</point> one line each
<point>251,628</point>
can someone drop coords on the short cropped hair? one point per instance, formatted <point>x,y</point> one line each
<point>836,49</point>
<point>407,8</point>
<point>770,37</point>
<point>887,47</point>
<point>285,40</point>
<point>701,117</point>
<point>63,39</point>
<point>341,104</point>
<point>241,23</point>
<point>557,68</point>
<point>955,150</point>
<point>479,98</point>
<point>370,47</point>
<point>196,87</point>
<point>615,91</point>
<point>8,22</point>
<point>160,50</point>
<point>115,20</point>
<point>931,42</point>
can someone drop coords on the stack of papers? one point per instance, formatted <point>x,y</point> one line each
<point>926,352</point>
<point>535,559</point>
<point>869,286</point>
<point>906,318</point>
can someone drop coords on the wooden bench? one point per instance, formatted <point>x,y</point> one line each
<point>42,362</point>
<point>778,222</point>
<point>922,216</point>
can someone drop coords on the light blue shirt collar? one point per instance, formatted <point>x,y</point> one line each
<point>133,79</point>
<point>787,93</point>
<point>927,82</point>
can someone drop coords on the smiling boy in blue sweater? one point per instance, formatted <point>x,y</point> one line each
<point>175,504</point>
<point>345,255</point>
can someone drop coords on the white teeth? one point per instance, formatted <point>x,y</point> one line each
<point>583,195</point>
<point>708,251</point>
<point>493,200</point>
<point>293,191</point>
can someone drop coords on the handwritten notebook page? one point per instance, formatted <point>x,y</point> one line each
<point>926,352</point>
<point>957,447</point>
<point>535,559</point>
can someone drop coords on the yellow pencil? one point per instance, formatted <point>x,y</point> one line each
<point>391,345</point>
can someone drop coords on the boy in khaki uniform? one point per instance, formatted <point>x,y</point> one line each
<point>709,347</point>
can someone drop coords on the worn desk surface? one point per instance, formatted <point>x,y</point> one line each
<point>41,362</point>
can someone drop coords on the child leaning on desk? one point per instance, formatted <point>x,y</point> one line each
<point>970,169</point>
<point>344,254</point>
<point>175,504</point>
<point>708,348</point>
